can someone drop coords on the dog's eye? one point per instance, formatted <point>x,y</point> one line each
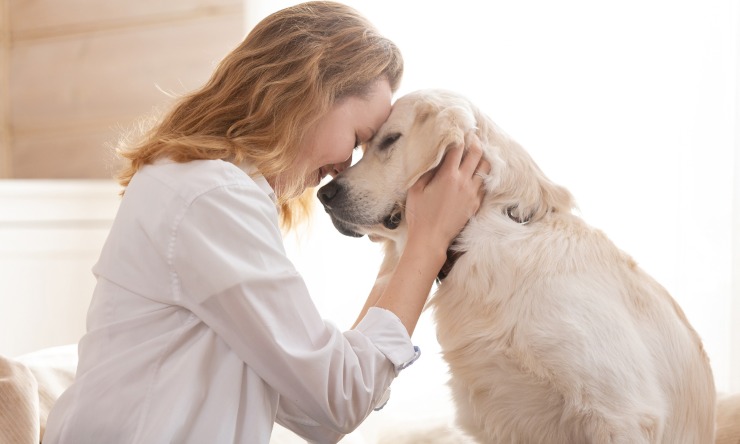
<point>389,140</point>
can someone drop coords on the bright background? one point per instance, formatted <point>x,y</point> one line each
<point>633,106</point>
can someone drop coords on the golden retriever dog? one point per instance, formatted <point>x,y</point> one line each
<point>551,333</point>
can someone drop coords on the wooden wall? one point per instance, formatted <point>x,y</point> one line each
<point>4,103</point>
<point>75,74</point>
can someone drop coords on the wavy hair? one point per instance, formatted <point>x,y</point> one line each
<point>267,93</point>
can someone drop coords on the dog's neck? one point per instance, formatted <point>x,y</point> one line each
<point>452,257</point>
<point>454,254</point>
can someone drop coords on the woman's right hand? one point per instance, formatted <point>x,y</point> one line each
<point>442,201</point>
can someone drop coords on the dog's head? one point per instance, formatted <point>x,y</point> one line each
<point>369,198</point>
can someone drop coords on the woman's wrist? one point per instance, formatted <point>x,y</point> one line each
<point>409,286</point>
<point>433,251</point>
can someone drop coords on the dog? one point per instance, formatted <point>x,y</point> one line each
<point>551,333</point>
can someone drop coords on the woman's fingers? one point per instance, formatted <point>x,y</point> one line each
<point>424,180</point>
<point>454,156</point>
<point>473,163</point>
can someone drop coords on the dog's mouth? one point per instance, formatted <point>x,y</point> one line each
<point>345,228</point>
<point>353,229</point>
<point>393,220</point>
<point>357,214</point>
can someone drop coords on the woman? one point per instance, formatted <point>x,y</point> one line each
<point>200,328</point>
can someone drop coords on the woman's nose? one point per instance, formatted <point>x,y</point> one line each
<point>339,167</point>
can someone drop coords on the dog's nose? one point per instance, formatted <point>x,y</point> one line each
<point>328,192</point>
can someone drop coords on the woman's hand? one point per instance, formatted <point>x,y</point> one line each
<point>443,200</point>
<point>437,208</point>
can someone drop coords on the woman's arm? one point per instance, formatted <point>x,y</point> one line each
<point>437,208</point>
<point>390,260</point>
<point>269,321</point>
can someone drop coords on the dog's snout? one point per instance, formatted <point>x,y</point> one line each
<point>328,192</point>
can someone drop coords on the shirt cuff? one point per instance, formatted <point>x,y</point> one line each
<point>388,334</point>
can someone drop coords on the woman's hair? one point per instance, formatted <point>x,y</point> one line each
<point>267,93</point>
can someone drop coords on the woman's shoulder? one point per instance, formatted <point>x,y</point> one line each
<point>190,180</point>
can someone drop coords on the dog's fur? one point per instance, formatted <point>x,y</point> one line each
<point>552,334</point>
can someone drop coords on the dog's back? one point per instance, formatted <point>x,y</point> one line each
<point>552,334</point>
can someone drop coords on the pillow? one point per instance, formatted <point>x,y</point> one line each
<point>19,415</point>
<point>29,386</point>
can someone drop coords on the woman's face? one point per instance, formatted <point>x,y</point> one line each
<point>350,122</point>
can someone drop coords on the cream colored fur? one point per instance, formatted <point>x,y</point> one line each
<point>552,334</point>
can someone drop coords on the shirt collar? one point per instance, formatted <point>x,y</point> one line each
<point>260,180</point>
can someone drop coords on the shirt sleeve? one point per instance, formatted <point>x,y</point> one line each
<point>232,272</point>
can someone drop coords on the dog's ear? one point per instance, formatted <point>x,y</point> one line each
<point>527,193</point>
<point>542,197</point>
<point>435,130</point>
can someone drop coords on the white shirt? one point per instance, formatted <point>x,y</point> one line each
<point>200,329</point>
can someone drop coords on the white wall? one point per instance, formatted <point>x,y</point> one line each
<point>51,233</point>
<point>735,241</point>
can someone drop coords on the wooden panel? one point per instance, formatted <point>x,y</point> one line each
<point>85,153</point>
<point>5,156</point>
<point>73,82</point>
<point>38,18</point>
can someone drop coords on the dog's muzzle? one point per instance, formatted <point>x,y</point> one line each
<point>346,211</point>
<point>332,198</point>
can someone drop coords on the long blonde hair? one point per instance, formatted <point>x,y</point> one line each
<point>267,93</point>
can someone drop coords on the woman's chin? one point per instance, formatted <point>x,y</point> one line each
<point>313,180</point>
